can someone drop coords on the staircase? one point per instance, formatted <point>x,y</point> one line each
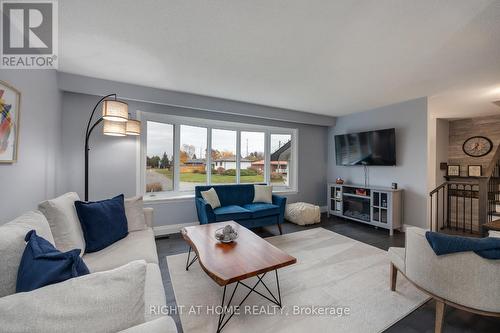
<point>465,205</point>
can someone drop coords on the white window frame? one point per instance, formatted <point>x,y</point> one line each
<point>209,124</point>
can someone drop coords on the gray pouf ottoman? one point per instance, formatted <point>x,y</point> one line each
<point>302,213</point>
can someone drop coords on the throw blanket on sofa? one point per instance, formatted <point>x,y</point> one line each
<point>488,247</point>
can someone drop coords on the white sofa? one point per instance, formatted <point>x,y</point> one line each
<point>463,280</point>
<point>138,245</point>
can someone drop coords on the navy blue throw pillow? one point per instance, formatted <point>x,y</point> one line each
<point>103,222</point>
<point>42,264</point>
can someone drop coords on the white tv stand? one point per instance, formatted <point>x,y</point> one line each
<point>377,206</point>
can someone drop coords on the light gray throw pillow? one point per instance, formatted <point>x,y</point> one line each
<point>64,222</point>
<point>107,301</point>
<point>211,197</point>
<point>263,193</point>
<point>134,211</point>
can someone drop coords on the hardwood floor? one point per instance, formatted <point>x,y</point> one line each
<point>420,320</point>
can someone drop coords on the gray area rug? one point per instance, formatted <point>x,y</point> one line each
<point>346,279</point>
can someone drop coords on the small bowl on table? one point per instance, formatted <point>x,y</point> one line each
<point>226,234</point>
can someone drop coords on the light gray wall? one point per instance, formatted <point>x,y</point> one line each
<point>33,178</point>
<point>410,120</point>
<point>442,143</point>
<point>113,165</point>
<point>93,86</point>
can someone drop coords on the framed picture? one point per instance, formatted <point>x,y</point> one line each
<point>10,99</point>
<point>474,170</point>
<point>453,170</point>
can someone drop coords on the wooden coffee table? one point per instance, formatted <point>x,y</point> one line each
<point>248,256</point>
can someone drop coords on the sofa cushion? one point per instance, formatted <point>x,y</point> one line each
<point>102,302</point>
<point>42,264</point>
<point>134,211</point>
<point>262,209</point>
<point>154,294</point>
<point>103,222</point>
<point>12,245</point>
<point>230,194</point>
<point>136,246</point>
<point>231,212</point>
<point>64,222</point>
<point>164,324</point>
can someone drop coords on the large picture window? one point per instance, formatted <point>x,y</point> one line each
<point>281,155</point>
<point>159,157</point>
<point>224,163</point>
<point>176,159</point>
<point>192,157</point>
<point>252,161</point>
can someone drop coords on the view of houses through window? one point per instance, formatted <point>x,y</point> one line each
<point>223,156</point>
<point>252,157</point>
<point>281,145</point>
<point>225,168</point>
<point>192,157</point>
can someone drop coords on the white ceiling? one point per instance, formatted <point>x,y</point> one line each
<point>327,57</point>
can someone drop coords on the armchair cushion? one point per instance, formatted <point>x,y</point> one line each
<point>231,212</point>
<point>262,209</point>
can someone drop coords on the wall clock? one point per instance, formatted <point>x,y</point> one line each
<point>477,146</point>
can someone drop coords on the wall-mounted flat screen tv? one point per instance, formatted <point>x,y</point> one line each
<point>366,148</point>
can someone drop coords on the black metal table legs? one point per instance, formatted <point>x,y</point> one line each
<point>227,311</point>
<point>188,263</point>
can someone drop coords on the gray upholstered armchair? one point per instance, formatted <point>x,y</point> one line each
<point>463,280</point>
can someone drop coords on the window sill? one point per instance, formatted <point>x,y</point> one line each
<point>174,197</point>
<point>185,197</point>
<point>286,192</point>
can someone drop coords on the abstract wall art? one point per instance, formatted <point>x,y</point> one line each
<point>10,99</point>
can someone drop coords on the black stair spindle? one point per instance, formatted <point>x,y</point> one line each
<point>437,211</point>
<point>448,208</point>
<point>442,221</point>
<point>463,217</point>
<point>470,195</point>
<point>456,207</point>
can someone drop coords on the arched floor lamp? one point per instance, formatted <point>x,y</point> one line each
<point>116,123</point>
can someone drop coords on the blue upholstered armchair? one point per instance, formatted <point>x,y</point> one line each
<point>237,204</point>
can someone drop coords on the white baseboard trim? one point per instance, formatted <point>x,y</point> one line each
<point>163,230</point>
